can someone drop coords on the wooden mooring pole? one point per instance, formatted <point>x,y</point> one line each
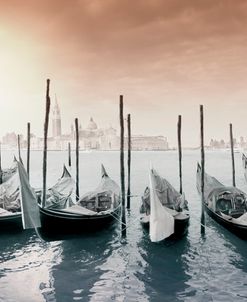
<point>77,158</point>
<point>69,154</point>
<point>180,153</point>
<point>129,158</point>
<point>122,164</point>
<point>233,161</point>
<point>28,149</point>
<point>46,124</point>
<point>19,147</point>
<point>202,169</point>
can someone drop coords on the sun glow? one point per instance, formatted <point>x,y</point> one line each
<point>16,61</point>
<point>20,80</point>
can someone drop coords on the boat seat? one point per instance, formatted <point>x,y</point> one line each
<point>89,204</point>
<point>224,206</point>
<point>226,212</point>
<point>100,202</point>
<point>104,203</point>
<point>235,213</point>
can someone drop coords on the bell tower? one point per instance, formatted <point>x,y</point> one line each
<point>56,120</point>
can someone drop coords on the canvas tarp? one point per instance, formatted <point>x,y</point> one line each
<point>7,213</point>
<point>62,194</point>
<point>107,185</point>
<point>77,209</point>
<point>9,193</point>
<point>219,197</point>
<point>210,183</point>
<point>161,223</point>
<point>8,173</point>
<point>29,205</point>
<point>166,193</point>
<point>16,196</point>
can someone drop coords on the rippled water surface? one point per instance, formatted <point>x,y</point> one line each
<point>102,267</point>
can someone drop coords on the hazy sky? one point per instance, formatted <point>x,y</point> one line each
<point>165,56</point>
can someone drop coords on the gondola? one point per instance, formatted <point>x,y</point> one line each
<point>226,205</point>
<point>163,210</point>
<point>12,202</point>
<point>93,211</point>
<point>18,210</point>
<point>10,206</point>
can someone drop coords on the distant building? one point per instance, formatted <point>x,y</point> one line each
<point>10,139</point>
<point>109,140</point>
<point>94,138</point>
<point>217,144</point>
<point>141,142</point>
<point>90,138</point>
<point>56,121</point>
<point>221,144</point>
<point>242,142</point>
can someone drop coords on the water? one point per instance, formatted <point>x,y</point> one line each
<point>102,267</point>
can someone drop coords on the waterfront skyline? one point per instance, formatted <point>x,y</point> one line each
<point>101,138</point>
<point>91,137</point>
<point>165,57</point>
<point>57,129</point>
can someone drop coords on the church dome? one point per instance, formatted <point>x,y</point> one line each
<point>92,125</point>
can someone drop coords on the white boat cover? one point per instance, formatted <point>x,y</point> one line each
<point>62,194</point>
<point>210,182</point>
<point>29,205</point>
<point>80,210</point>
<point>103,200</point>
<point>8,173</point>
<point>108,190</point>
<point>106,184</point>
<point>16,196</point>
<point>223,199</point>
<point>9,193</point>
<point>8,213</point>
<point>161,224</point>
<point>77,209</point>
<point>168,196</point>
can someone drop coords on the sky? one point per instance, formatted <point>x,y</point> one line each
<point>165,56</point>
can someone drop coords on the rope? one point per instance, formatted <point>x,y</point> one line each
<point>133,195</point>
<point>203,225</point>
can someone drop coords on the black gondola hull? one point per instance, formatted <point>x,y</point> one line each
<point>11,223</point>
<point>237,229</point>
<point>54,221</point>
<point>180,226</point>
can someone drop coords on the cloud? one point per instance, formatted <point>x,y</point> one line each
<point>163,55</point>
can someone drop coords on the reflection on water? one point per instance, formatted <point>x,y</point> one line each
<point>24,265</point>
<point>77,271</point>
<point>165,270</point>
<point>119,279</point>
<point>215,266</point>
<point>101,267</point>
